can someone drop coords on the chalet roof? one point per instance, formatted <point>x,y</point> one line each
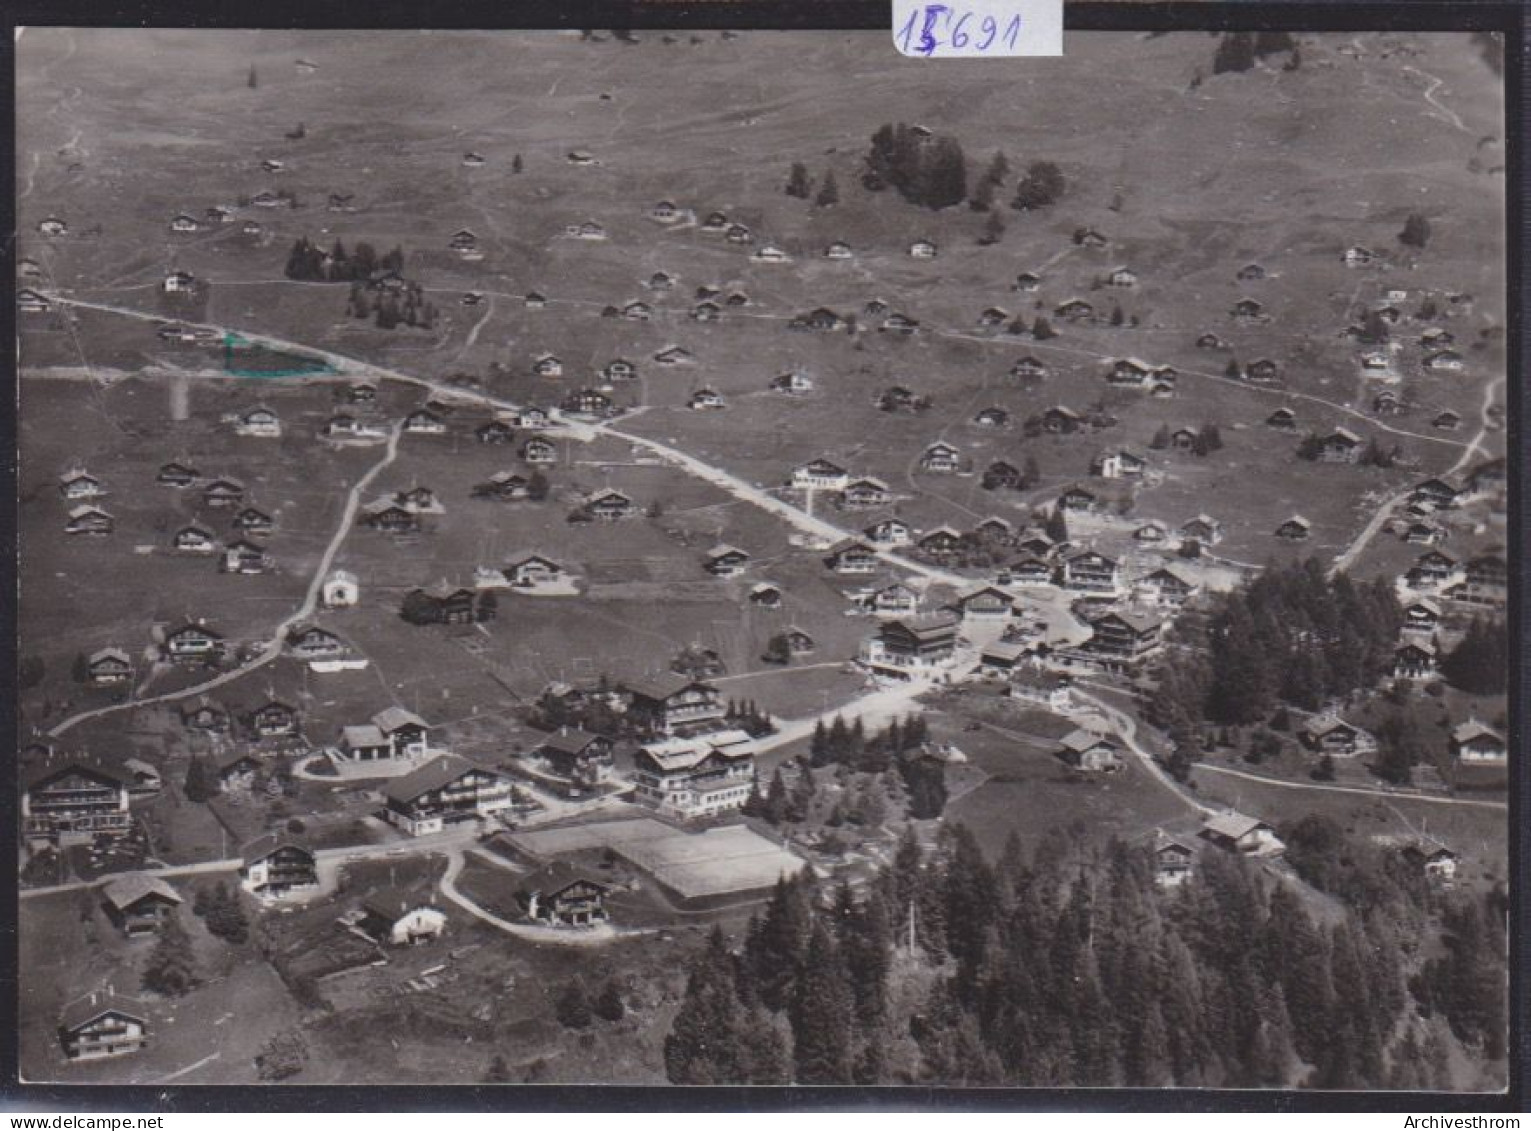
<point>82,1012</point>
<point>108,654</point>
<point>1325,724</point>
<point>1086,552</point>
<point>443,590</point>
<point>1172,572</point>
<point>931,624</point>
<point>1138,622</point>
<point>393,902</point>
<point>1163,840</point>
<point>980,590</point>
<point>125,891</point>
<point>941,531</point>
<point>530,559</point>
<point>51,768</point>
<point>139,768</point>
<point>1472,729</point>
<point>1232,825</point>
<point>684,753</point>
<point>724,550</point>
<point>1080,740</point>
<point>391,719</point>
<point>1346,435</point>
<point>263,846</point>
<point>1005,650</point>
<point>231,758</point>
<point>556,878</point>
<point>199,628</point>
<point>440,771</point>
<point>1428,847</point>
<point>569,740</point>
<point>361,736</point>
<point>847,544</point>
<point>663,686</point>
<point>1299,520</point>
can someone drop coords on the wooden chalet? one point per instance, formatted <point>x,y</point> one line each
<point>192,642</point>
<point>392,733</point>
<point>577,757</point>
<point>561,895</point>
<point>1474,743</point>
<point>610,506</point>
<point>102,1025</point>
<point>71,800</point>
<point>396,916</point>
<point>277,864</point>
<point>1326,734</point>
<point>90,521</point>
<point>109,667</point>
<point>852,557</point>
<point>533,570</point>
<point>1234,832</point>
<point>138,904</point>
<point>1090,752</point>
<point>1089,571</point>
<point>671,703</point>
<point>912,646</point>
<point>447,790</point>
<point>865,493</point>
<point>726,561</point>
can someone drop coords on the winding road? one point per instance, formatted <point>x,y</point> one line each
<point>1384,510</point>
<point>273,647</point>
<point>1388,794</point>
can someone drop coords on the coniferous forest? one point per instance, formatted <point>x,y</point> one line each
<point>1069,966</point>
<point>1292,635</point>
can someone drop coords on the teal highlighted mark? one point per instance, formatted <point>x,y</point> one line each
<point>244,358</point>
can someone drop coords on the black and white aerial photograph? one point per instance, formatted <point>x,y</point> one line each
<point>694,557</point>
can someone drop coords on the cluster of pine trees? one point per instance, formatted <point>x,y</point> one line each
<point>1291,635</point>
<point>1042,185</point>
<point>1239,50</point>
<point>744,714</point>
<point>862,802</point>
<point>419,607</point>
<point>924,168</point>
<point>1070,968</point>
<point>221,912</point>
<point>800,184</point>
<point>311,263</point>
<point>1481,660</point>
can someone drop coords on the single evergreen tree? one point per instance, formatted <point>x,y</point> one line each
<point>608,1004</point>
<point>822,1015</point>
<point>1416,231</point>
<point>573,1007</point>
<point>829,191</point>
<point>171,968</point>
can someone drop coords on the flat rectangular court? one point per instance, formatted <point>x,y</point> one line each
<point>717,862</point>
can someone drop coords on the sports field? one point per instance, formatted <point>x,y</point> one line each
<point>717,862</point>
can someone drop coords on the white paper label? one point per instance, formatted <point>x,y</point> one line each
<point>977,29</point>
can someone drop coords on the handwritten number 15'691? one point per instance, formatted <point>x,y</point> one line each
<point>922,31</point>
